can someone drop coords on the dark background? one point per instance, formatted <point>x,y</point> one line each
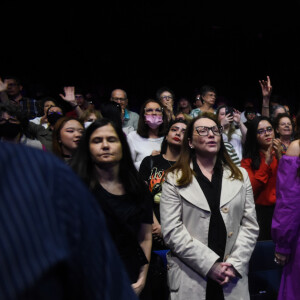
<point>142,45</point>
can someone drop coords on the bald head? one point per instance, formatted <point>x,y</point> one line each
<point>119,96</point>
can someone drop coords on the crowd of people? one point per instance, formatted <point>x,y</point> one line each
<point>199,180</point>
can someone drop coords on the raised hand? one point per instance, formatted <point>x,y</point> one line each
<point>69,95</point>
<point>236,116</point>
<point>227,120</point>
<point>266,87</point>
<point>3,86</point>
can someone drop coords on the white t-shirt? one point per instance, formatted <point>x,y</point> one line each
<point>37,121</point>
<point>141,147</point>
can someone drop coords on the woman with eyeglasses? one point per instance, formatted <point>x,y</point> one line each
<point>260,158</point>
<point>283,125</point>
<point>151,130</point>
<point>208,218</point>
<point>208,95</point>
<point>166,97</point>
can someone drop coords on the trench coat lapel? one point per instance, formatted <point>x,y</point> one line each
<point>230,188</point>
<point>194,194</point>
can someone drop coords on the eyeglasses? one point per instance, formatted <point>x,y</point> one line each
<point>285,124</point>
<point>9,120</point>
<point>203,130</point>
<point>151,111</point>
<point>118,99</point>
<point>264,131</point>
<point>251,113</point>
<point>166,97</point>
<point>12,84</point>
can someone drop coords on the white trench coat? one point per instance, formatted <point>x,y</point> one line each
<point>185,217</point>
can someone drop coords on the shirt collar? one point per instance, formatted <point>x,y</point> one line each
<point>126,114</point>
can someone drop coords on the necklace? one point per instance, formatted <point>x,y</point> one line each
<point>168,161</point>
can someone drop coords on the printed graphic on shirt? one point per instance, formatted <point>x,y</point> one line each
<point>155,182</point>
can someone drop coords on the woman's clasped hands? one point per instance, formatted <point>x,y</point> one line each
<point>222,272</point>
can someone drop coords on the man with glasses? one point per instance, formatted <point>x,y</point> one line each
<point>130,119</point>
<point>207,95</point>
<point>166,97</point>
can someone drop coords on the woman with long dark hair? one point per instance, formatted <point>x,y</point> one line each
<point>260,158</point>
<point>153,167</point>
<point>66,135</point>
<point>103,161</point>
<point>208,218</point>
<point>150,132</point>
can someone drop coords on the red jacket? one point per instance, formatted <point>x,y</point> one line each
<point>263,180</point>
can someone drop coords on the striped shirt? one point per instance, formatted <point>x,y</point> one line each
<point>232,153</point>
<point>54,242</point>
<point>28,105</point>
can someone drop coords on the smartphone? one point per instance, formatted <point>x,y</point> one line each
<point>229,110</point>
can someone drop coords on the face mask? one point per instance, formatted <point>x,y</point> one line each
<point>153,121</point>
<point>87,124</point>
<point>9,130</point>
<point>52,118</point>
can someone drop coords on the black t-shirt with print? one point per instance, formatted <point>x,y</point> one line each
<point>152,170</point>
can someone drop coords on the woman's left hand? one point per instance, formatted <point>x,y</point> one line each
<point>43,120</point>
<point>278,148</point>
<point>281,259</point>
<point>156,229</point>
<point>139,285</point>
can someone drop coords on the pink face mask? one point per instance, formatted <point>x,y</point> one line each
<point>153,121</point>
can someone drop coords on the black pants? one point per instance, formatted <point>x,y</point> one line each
<point>214,291</point>
<point>264,219</point>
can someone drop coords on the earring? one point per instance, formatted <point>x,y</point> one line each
<point>192,147</point>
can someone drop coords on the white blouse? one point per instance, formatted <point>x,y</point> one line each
<point>141,147</point>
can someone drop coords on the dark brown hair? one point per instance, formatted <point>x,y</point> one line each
<point>186,154</point>
<point>277,121</point>
<point>60,123</point>
<point>143,128</point>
